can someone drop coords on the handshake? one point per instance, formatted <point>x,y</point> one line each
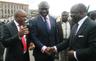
<point>52,50</point>
<point>49,50</point>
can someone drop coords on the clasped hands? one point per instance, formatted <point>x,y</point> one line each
<point>51,50</point>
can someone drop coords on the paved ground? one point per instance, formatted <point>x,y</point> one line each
<point>32,57</point>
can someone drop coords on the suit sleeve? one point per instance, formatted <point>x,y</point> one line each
<point>62,45</point>
<point>33,34</point>
<point>90,51</point>
<point>9,40</point>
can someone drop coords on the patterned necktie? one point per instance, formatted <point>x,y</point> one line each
<point>24,43</point>
<point>74,28</point>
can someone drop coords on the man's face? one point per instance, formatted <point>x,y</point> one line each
<point>44,11</point>
<point>21,18</point>
<point>64,18</point>
<point>76,15</point>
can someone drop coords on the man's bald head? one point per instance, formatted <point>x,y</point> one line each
<point>78,11</point>
<point>19,12</point>
<point>43,4</point>
<point>65,13</point>
<point>79,8</point>
<point>20,16</point>
<point>43,8</point>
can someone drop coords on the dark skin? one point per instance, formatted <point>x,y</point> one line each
<point>20,17</point>
<point>77,14</point>
<point>44,11</point>
<point>64,16</point>
<point>92,15</point>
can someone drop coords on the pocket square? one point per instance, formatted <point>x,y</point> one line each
<point>80,35</point>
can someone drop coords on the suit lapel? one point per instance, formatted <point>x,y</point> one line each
<point>41,24</point>
<point>51,23</point>
<point>83,27</point>
<point>13,28</point>
<point>60,29</point>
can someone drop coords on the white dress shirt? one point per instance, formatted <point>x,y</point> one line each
<point>66,29</point>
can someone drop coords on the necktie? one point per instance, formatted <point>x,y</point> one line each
<point>74,28</point>
<point>47,25</point>
<point>24,44</point>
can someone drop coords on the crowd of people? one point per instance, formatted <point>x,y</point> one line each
<point>71,40</point>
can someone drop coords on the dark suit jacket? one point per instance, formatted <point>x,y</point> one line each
<point>84,42</point>
<point>40,35</point>
<point>13,44</point>
<point>1,46</point>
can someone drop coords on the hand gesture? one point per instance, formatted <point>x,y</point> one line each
<point>23,31</point>
<point>31,46</point>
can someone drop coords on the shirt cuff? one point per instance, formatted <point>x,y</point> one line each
<point>75,55</point>
<point>55,48</point>
<point>43,49</point>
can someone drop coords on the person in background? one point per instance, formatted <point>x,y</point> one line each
<point>92,15</point>
<point>64,29</point>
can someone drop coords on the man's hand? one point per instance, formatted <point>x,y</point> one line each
<point>31,46</point>
<point>50,50</point>
<point>23,31</point>
<point>47,50</point>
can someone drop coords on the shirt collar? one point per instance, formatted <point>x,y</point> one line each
<point>82,20</point>
<point>16,23</point>
<point>47,17</point>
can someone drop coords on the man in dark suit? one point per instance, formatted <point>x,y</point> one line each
<point>1,46</point>
<point>82,41</point>
<point>15,38</point>
<point>43,33</point>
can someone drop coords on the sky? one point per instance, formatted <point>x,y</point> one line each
<point>57,6</point>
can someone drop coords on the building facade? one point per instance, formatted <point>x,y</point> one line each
<point>7,9</point>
